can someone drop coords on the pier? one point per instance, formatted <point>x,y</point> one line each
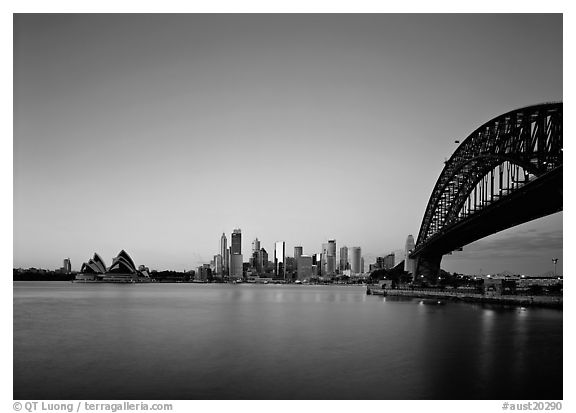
<point>516,300</point>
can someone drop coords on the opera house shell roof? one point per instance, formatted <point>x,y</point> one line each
<point>94,266</point>
<point>121,265</point>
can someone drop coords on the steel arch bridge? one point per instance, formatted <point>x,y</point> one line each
<point>505,173</point>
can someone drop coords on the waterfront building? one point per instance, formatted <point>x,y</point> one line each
<point>144,271</point>
<point>263,260</point>
<point>355,260</point>
<point>280,259</point>
<point>389,261</point>
<point>122,269</point>
<point>291,267</point>
<point>94,266</point>
<point>236,266</point>
<point>323,259</point>
<point>122,264</point>
<point>224,254</point>
<point>204,273</point>
<point>343,258</point>
<point>378,265</point>
<point>331,258</point>
<point>254,260</point>
<point>218,265</point>
<point>409,263</point>
<point>67,266</point>
<point>317,260</point>
<point>304,271</point>
<point>298,251</point>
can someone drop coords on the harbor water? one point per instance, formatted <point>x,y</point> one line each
<point>220,341</point>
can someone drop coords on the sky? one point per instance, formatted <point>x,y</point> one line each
<point>157,133</point>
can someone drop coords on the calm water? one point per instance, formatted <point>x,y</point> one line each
<point>193,341</point>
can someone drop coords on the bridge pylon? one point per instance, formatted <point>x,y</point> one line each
<point>427,268</point>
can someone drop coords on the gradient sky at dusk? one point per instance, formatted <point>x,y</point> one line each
<point>156,133</point>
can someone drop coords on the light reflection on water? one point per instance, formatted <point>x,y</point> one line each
<point>191,341</point>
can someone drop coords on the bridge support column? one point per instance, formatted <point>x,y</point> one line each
<point>429,267</point>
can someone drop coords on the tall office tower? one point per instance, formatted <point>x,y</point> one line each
<point>317,259</point>
<point>361,265</point>
<point>236,270</point>
<point>343,258</point>
<point>298,251</point>
<point>304,267</point>
<point>389,261</point>
<point>255,245</point>
<point>280,259</point>
<point>297,254</point>
<point>323,259</point>
<point>255,260</point>
<point>218,265</point>
<point>224,253</point>
<point>236,242</point>
<point>263,259</point>
<point>316,265</point>
<point>331,257</point>
<point>355,260</point>
<point>408,262</point>
<point>67,267</point>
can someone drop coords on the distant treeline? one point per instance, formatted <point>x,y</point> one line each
<point>46,275</point>
<point>40,275</point>
<point>171,276</point>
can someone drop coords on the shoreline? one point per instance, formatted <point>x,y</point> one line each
<point>513,300</point>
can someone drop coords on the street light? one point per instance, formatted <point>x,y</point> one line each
<point>555,261</point>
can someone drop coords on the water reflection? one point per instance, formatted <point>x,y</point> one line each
<point>230,342</point>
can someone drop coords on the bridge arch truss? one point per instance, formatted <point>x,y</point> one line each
<point>498,159</point>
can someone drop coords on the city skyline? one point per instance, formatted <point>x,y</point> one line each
<point>295,128</point>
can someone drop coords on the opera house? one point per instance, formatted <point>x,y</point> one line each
<point>122,270</point>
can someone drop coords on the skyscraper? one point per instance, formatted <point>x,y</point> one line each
<point>343,258</point>
<point>67,267</point>
<point>304,267</point>
<point>218,265</point>
<point>224,254</point>
<point>280,259</point>
<point>408,262</point>
<point>316,263</point>
<point>323,259</point>
<point>263,260</point>
<point>297,252</point>
<point>255,245</point>
<point>355,260</point>
<point>236,242</point>
<point>236,269</point>
<point>331,258</point>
